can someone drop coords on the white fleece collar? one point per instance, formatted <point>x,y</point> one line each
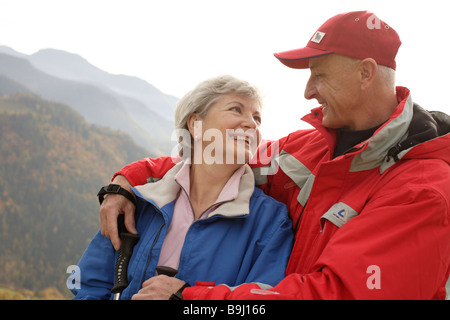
<point>166,190</point>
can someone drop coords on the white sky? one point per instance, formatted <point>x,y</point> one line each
<point>175,44</point>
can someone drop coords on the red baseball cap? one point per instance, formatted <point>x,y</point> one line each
<point>359,34</point>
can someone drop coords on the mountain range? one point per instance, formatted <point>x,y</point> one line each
<point>121,102</point>
<point>65,128</point>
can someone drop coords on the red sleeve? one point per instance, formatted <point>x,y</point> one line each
<point>138,172</point>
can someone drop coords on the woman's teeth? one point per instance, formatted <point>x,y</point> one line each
<point>242,138</point>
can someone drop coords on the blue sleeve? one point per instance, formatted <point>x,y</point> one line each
<point>96,270</point>
<point>270,265</point>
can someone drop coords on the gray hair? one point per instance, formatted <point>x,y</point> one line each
<point>387,76</point>
<point>204,95</point>
<point>208,92</point>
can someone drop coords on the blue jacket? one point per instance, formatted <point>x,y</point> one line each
<point>248,239</point>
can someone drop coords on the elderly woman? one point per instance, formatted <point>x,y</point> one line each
<point>204,218</point>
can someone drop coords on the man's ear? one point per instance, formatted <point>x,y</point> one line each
<point>368,69</point>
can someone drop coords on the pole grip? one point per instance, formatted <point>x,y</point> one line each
<point>129,240</point>
<point>168,271</point>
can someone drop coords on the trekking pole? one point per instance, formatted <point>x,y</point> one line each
<point>129,240</point>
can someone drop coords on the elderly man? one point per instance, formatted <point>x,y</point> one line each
<point>368,189</point>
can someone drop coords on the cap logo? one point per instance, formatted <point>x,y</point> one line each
<point>317,38</point>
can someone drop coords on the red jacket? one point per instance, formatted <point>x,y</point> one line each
<point>373,223</point>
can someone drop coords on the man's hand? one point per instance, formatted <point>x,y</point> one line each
<point>159,288</point>
<point>112,206</point>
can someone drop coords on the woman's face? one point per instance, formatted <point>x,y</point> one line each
<point>229,133</point>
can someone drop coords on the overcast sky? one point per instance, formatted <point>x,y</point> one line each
<point>175,44</point>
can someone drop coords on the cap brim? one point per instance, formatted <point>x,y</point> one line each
<point>299,58</point>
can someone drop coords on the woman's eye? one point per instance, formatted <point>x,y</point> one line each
<point>257,119</point>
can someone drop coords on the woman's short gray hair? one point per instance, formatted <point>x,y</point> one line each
<point>208,92</point>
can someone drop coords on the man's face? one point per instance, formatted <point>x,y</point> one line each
<point>335,84</point>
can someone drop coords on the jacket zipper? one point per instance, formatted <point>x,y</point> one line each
<point>298,219</point>
<point>151,247</point>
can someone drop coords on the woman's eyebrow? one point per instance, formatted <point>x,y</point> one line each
<point>233,102</point>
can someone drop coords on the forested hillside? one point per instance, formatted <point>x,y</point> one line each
<point>52,163</point>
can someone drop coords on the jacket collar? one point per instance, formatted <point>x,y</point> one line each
<point>373,152</point>
<point>165,191</point>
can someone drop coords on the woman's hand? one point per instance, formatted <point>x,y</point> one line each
<point>159,288</point>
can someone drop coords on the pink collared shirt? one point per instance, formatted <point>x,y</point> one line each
<point>183,215</point>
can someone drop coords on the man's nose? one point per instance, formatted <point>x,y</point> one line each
<point>310,90</point>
